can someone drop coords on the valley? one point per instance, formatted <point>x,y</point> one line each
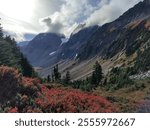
<point>109,44</point>
<point>98,69</point>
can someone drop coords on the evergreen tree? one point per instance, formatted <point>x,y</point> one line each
<point>48,78</point>
<point>67,78</point>
<point>97,74</point>
<point>8,39</point>
<point>1,31</point>
<point>10,55</point>
<point>27,69</point>
<point>53,77</point>
<point>93,79</point>
<point>57,75</point>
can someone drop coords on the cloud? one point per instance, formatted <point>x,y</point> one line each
<point>109,11</point>
<point>15,22</point>
<point>74,12</point>
<point>63,16</point>
<point>51,26</point>
<point>70,14</point>
<point>17,29</point>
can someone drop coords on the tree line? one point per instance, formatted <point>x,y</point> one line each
<point>11,56</point>
<point>88,84</point>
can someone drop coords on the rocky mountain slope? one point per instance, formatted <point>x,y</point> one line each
<point>122,42</point>
<point>118,35</point>
<point>78,38</point>
<point>23,44</point>
<point>41,48</point>
<point>47,49</point>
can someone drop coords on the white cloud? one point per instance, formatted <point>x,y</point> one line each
<point>70,14</point>
<point>62,16</point>
<point>110,11</point>
<point>73,12</point>
<point>22,17</point>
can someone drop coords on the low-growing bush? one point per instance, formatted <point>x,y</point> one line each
<point>118,78</point>
<point>69,100</point>
<point>30,86</point>
<point>137,86</point>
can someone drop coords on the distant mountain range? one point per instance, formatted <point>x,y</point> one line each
<point>23,44</point>
<point>114,44</point>
<point>39,50</point>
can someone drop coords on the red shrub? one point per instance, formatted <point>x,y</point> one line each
<point>13,110</point>
<point>30,86</point>
<point>30,82</point>
<point>33,110</point>
<point>9,82</point>
<point>27,95</point>
<point>67,100</point>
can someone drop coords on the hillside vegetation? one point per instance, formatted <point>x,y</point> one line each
<point>98,69</point>
<point>10,55</point>
<point>29,95</point>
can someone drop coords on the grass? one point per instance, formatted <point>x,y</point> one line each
<point>126,99</point>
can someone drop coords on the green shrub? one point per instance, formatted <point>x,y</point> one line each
<point>118,78</point>
<point>137,86</point>
<point>86,87</point>
<point>143,61</point>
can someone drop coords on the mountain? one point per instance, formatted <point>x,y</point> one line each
<point>23,44</point>
<point>41,47</point>
<point>79,37</point>
<point>46,49</point>
<point>147,1</point>
<point>105,39</point>
<point>119,43</point>
<point>121,47</point>
<point>78,28</point>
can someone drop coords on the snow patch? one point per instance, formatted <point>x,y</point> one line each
<point>76,55</point>
<point>64,40</point>
<point>52,53</point>
<point>78,28</point>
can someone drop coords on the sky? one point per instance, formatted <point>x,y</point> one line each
<point>23,19</point>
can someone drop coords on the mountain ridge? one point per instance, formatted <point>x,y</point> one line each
<point>41,46</point>
<point>120,39</point>
<point>106,38</point>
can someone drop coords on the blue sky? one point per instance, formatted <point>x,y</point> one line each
<point>24,17</point>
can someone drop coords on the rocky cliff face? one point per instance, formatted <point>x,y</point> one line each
<point>117,36</point>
